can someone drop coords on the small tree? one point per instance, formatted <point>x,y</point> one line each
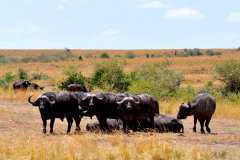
<point>72,77</point>
<point>104,55</point>
<point>22,74</point>
<point>156,79</point>
<point>228,72</point>
<point>110,76</point>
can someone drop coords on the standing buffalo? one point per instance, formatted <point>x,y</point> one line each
<point>136,109</point>
<point>113,124</point>
<point>163,123</point>
<point>76,88</point>
<point>21,84</point>
<point>58,105</point>
<point>102,105</point>
<point>202,108</point>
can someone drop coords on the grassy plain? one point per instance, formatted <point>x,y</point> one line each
<point>20,124</point>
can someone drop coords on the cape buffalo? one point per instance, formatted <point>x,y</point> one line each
<point>21,84</point>
<point>102,105</point>
<point>136,109</point>
<point>163,123</point>
<point>36,86</point>
<point>202,108</point>
<point>58,105</point>
<point>113,124</point>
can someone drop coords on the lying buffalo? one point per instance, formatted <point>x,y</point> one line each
<point>103,105</point>
<point>202,108</point>
<point>76,88</point>
<point>58,105</point>
<point>163,123</point>
<point>21,84</point>
<point>137,108</point>
<point>113,124</point>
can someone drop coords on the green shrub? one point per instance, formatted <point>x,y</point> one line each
<point>72,77</point>
<point>104,55</point>
<point>6,79</point>
<point>131,55</point>
<point>110,76</point>
<point>186,94</point>
<point>191,52</point>
<point>156,79</point>
<point>80,58</point>
<point>22,74</point>
<point>228,72</point>
<point>212,53</point>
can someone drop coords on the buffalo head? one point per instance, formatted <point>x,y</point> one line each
<point>42,102</point>
<point>128,103</point>
<point>184,111</point>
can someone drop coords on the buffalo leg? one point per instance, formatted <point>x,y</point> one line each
<point>77,121</point>
<point>194,123</point>
<point>202,125</point>
<point>70,121</point>
<point>44,126</point>
<point>103,123</point>
<point>52,124</point>
<point>125,129</point>
<point>207,125</point>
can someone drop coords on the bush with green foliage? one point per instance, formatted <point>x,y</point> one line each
<point>192,52</point>
<point>111,77</point>
<point>72,77</point>
<point>22,74</point>
<point>7,79</point>
<point>210,52</point>
<point>228,72</point>
<point>104,55</point>
<point>131,55</point>
<point>156,79</point>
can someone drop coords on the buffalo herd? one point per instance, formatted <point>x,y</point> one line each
<point>120,111</point>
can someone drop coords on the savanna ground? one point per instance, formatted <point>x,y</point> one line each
<point>20,124</point>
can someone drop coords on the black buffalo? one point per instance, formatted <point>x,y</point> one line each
<point>21,84</point>
<point>202,108</point>
<point>76,88</point>
<point>58,105</point>
<point>163,123</point>
<point>103,105</point>
<point>113,124</point>
<point>135,109</point>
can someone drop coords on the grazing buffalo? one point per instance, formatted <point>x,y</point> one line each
<point>113,124</point>
<point>163,123</point>
<point>21,84</point>
<point>202,108</point>
<point>76,88</point>
<point>36,86</point>
<point>136,109</point>
<point>103,105</point>
<point>58,105</point>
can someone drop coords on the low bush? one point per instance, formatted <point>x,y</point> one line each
<point>228,72</point>
<point>156,79</point>
<point>131,55</point>
<point>7,79</point>
<point>22,74</point>
<point>72,76</point>
<point>104,55</point>
<point>212,53</point>
<point>111,77</point>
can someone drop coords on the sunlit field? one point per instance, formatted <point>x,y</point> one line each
<point>21,126</point>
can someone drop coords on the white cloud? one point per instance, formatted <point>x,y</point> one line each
<point>154,4</point>
<point>60,7</point>
<point>62,4</point>
<point>110,32</point>
<point>234,17</point>
<point>183,13</point>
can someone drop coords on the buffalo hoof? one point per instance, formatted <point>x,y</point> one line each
<point>44,131</point>
<point>202,131</point>
<point>208,130</point>
<point>194,129</point>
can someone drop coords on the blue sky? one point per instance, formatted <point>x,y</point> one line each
<point>122,24</point>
